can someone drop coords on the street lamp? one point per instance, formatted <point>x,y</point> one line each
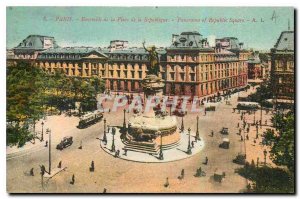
<point>254,117</point>
<point>265,156</point>
<point>197,131</point>
<point>124,122</point>
<point>256,131</point>
<point>161,155</point>
<point>189,149</point>
<point>104,139</point>
<point>113,147</point>
<point>182,126</point>
<point>42,137</point>
<point>49,131</point>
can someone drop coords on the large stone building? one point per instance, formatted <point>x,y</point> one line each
<point>188,67</point>
<point>195,68</point>
<point>255,67</point>
<point>29,48</point>
<point>282,68</point>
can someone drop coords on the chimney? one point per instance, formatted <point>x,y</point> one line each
<point>241,45</point>
<point>174,37</point>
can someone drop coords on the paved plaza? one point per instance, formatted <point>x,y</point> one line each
<point>120,175</point>
<point>177,153</point>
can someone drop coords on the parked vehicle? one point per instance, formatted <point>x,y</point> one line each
<point>210,106</point>
<point>224,131</point>
<point>90,119</point>
<point>225,143</point>
<point>66,141</point>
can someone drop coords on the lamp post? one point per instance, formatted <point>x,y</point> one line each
<point>49,152</point>
<point>265,156</point>
<point>113,147</point>
<point>124,122</point>
<point>189,149</point>
<point>256,131</point>
<point>197,131</point>
<point>182,126</point>
<point>42,137</point>
<point>104,139</point>
<point>161,155</point>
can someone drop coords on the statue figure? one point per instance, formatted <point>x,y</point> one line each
<point>154,60</point>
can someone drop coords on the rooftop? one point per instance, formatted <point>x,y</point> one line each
<point>37,42</point>
<point>285,41</point>
<point>189,40</point>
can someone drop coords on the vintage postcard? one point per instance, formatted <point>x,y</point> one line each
<point>150,99</point>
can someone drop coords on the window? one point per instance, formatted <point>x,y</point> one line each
<point>172,76</point>
<point>140,74</point>
<point>192,77</point>
<point>182,76</point>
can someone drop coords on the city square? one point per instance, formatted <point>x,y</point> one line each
<point>112,173</point>
<point>178,111</point>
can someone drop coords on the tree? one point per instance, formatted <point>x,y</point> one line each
<point>263,57</point>
<point>282,142</point>
<point>24,98</point>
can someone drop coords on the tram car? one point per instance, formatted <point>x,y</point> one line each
<point>247,106</point>
<point>90,119</point>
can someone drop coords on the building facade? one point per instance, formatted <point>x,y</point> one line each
<point>194,68</point>
<point>282,68</point>
<point>190,66</point>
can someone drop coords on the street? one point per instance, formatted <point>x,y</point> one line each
<point>117,175</point>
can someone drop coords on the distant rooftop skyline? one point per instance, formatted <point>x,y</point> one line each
<point>85,29</point>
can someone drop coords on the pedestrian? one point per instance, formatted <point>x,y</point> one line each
<point>73,180</point>
<point>204,111</point>
<point>212,133</point>
<point>80,147</point>
<point>242,138</point>
<point>238,125</point>
<point>248,129</point>
<point>167,183</point>
<point>192,144</point>
<point>104,190</point>
<point>31,172</point>
<point>240,131</point>
<point>92,168</point>
<point>247,137</point>
<point>182,173</point>
<point>46,145</point>
<point>206,160</point>
<point>125,152</point>
<point>59,165</point>
<point>200,170</point>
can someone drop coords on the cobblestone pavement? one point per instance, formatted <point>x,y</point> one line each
<point>117,175</point>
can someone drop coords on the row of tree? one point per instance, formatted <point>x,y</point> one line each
<point>32,93</point>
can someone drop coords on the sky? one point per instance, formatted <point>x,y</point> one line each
<point>258,27</point>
